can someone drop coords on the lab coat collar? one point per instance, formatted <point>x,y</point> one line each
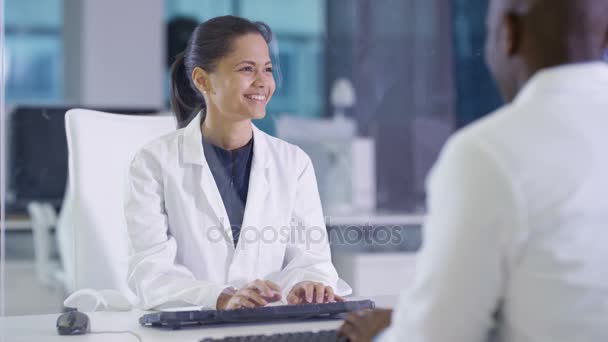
<point>588,78</point>
<point>193,152</point>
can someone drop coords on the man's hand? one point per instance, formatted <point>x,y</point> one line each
<point>257,293</point>
<point>362,326</point>
<point>312,292</point>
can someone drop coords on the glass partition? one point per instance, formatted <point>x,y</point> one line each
<point>371,90</point>
<point>2,166</point>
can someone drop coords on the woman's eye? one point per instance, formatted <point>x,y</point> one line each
<point>269,69</point>
<point>246,69</point>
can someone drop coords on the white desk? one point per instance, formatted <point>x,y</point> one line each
<point>374,219</point>
<point>355,219</point>
<point>42,328</point>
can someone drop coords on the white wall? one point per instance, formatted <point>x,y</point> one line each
<point>114,52</point>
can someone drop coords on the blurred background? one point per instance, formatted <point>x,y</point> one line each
<point>370,89</point>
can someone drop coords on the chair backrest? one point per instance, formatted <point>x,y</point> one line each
<point>94,243</point>
<point>39,176</point>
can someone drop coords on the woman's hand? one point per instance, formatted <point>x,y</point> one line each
<point>362,326</point>
<point>312,292</point>
<point>257,293</point>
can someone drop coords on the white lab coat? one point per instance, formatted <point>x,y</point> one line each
<point>182,247</point>
<point>516,235</point>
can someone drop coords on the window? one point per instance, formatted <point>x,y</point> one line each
<point>34,51</point>
<point>476,92</point>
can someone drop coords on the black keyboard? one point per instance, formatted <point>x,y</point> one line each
<point>319,336</point>
<point>176,319</point>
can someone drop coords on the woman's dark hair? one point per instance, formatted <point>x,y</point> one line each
<point>208,43</point>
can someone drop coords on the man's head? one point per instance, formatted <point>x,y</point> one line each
<point>524,36</point>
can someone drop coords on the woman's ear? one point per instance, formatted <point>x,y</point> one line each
<point>200,78</point>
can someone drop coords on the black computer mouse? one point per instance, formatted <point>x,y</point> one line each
<point>73,323</point>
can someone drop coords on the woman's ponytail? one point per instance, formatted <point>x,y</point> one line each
<point>186,102</point>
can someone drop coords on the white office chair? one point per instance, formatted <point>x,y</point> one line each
<point>91,229</point>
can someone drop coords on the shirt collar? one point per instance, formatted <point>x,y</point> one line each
<point>193,152</point>
<point>222,157</point>
<point>589,78</point>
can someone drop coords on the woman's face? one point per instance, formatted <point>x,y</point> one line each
<point>242,83</point>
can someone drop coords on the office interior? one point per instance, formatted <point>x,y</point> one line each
<point>371,90</point>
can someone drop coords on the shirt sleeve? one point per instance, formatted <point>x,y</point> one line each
<point>153,275</point>
<point>308,256</point>
<point>462,267</point>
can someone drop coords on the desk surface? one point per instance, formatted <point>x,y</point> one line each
<point>42,328</point>
<point>375,219</point>
<point>22,222</point>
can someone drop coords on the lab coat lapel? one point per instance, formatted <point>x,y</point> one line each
<point>214,198</point>
<point>246,259</point>
<point>194,154</point>
<point>258,183</point>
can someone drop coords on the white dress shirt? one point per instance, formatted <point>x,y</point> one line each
<point>182,247</point>
<point>517,231</point>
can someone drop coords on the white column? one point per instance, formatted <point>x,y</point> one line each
<point>114,52</point>
<point>2,162</point>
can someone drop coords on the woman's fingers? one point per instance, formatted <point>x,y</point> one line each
<point>319,292</point>
<point>329,294</point>
<point>253,296</point>
<point>261,292</point>
<point>239,301</point>
<point>273,286</point>
<point>246,298</point>
<point>262,287</point>
<point>267,288</point>
<point>312,292</point>
<point>297,295</point>
<point>294,299</point>
<point>309,291</point>
<point>245,302</point>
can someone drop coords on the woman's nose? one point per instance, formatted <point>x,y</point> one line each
<point>260,82</point>
<point>262,79</point>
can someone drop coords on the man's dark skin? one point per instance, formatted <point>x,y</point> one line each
<point>523,37</point>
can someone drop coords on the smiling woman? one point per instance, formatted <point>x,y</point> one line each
<point>240,85</point>
<point>219,173</point>
<point>223,56</point>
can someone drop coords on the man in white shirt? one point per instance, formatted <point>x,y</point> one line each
<point>516,239</point>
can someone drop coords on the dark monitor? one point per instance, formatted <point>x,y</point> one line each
<point>37,164</point>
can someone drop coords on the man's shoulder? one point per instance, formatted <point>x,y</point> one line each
<point>500,122</point>
<point>514,126</point>
<point>503,136</point>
